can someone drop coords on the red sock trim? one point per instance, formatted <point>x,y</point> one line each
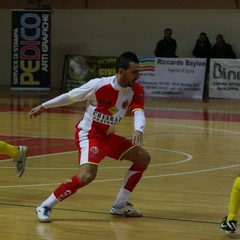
<point>67,188</point>
<point>135,172</point>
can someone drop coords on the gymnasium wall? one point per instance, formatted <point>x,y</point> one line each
<point>110,32</point>
<point>123,4</point>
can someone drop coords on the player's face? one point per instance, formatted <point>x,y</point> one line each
<point>129,76</point>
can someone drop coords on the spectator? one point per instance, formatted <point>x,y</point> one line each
<point>167,46</point>
<point>221,49</point>
<point>203,47</point>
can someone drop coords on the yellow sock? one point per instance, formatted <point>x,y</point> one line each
<point>9,149</point>
<point>234,201</point>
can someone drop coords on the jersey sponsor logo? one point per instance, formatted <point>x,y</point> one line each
<point>113,110</point>
<point>105,119</point>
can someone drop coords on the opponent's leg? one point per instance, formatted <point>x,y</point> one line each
<point>234,200</point>
<point>9,149</point>
<point>229,223</point>
<point>17,153</point>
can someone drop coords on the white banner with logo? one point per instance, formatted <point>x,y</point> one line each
<point>177,77</point>
<point>160,77</point>
<point>224,78</point>
<point>146,74</point>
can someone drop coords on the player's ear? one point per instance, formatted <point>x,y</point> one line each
<point>120,71</point>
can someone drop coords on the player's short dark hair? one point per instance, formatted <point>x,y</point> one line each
<point>124,59</point>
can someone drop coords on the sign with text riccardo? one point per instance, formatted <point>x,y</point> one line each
<point>177,77</point>
<point>30,49</point>
<point>224,78</point>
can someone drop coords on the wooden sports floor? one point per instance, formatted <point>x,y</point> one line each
<point>183,195</point>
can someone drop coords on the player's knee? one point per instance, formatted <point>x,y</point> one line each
<point>144,159</point>
<point>87,178</point>
<point>147,158</point>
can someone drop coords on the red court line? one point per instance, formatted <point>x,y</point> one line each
<point>203,115</point>
<point>190,115</point>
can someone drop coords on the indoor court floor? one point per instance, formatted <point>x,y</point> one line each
<point>184,194</point>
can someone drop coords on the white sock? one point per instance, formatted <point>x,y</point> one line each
<point>122,197</point>
<point>50,202</point>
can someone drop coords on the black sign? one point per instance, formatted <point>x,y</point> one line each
<point>31,49</point>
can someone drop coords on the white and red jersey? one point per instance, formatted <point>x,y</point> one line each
<point>107,103</point>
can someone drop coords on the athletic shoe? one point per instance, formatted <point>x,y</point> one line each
<point>127,211</point>
<point>20,160</point>
<point>43,214</point>
<point>228,227</point>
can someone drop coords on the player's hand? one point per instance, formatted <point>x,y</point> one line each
<point>36,111</point>
<point>137,138</point>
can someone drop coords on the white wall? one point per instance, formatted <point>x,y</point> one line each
<point>110,32</point>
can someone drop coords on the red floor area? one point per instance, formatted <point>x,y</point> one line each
<point>150,113</point>
<point>40,146</point>
<point>188,115</point>
<point>25,101</point>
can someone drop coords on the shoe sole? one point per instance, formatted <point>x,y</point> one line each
<point>45,221</point>
<point>25,156</point>
<point>125,215</point>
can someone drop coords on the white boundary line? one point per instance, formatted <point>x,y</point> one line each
<point>189,158</point>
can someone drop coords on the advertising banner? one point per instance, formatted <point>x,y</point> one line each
<point>30,50</point>
<point>80,69</point>
<point>224,78</point>
<point>181,77</point>
<point>178,77</point>
<point>146,78</point>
